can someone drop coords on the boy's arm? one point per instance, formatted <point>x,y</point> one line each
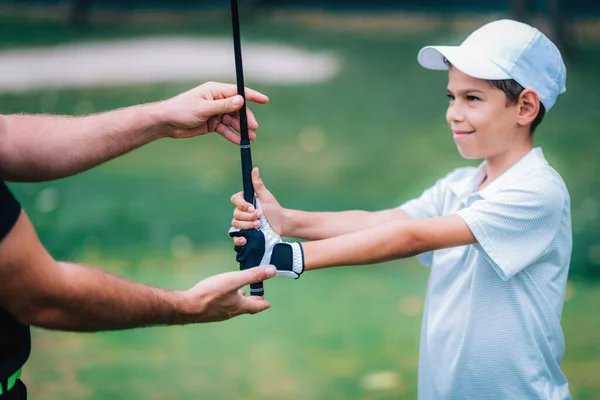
<point>304,224</point>
<point>40,291</point>
<point>324,225</point>
<point>388,241</point>
<point>45,147</point>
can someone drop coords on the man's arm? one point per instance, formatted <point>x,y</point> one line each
<point>39,291</point>
<point>44,147</point>
<point>389,241</point>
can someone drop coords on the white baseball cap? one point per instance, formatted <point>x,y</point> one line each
<point>505,49</point>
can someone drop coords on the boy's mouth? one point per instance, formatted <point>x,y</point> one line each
<point>460,135</point>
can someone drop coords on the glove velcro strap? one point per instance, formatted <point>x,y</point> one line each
<point>288,259</point>
<point>298,261</point>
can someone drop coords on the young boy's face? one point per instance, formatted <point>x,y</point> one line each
<point>482,122</point>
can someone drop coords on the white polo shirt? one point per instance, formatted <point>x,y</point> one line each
<point>491,324</point>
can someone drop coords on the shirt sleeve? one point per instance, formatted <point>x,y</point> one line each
<point>515,227</point>
<point>9,210</point>
<point>428,205</point>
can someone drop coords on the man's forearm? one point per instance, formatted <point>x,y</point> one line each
<point>88,299</point>
<point>43,147</point>
<point>324,225</point>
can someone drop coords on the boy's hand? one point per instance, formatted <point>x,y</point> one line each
<point>245,216</point>
<point>263,246</point>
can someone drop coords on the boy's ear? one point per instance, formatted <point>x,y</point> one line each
<point>528,107</point>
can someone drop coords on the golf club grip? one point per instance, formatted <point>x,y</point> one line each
<point>246,155</point>
<point>256,289</point>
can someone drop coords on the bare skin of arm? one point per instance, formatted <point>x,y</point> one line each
<point>391,240</point>
<point>388,241</point>
<point>45,147</point>
<point>41,291</point>
<point>305,224</point>
<point>351,237</point>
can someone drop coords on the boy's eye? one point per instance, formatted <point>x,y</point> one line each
<point>449,96</point>
<point>472,98</point>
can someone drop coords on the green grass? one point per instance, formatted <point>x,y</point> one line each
<point>385,141</point>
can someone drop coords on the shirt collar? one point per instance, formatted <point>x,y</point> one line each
<point>468,186</point>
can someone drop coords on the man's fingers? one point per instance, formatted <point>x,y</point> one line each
<point>233,281</point>
<point>234,122</point>
<point>208,108</point>
<point>252,123</point>
<point>253,305</point>
<point>228,90</point>
<point>255,96</point>
<point>228,133</point>
<point>253,275</point>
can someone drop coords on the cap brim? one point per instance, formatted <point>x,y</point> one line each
<point>467,61</point>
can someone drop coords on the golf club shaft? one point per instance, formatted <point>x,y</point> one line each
<point>256,289</point>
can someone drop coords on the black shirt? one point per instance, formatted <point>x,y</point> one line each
<point>15,340</point>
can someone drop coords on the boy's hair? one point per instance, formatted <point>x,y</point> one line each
<point>512,89</point>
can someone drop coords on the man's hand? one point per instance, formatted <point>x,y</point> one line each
<point>211,107</point>
<point>69,145</point>
<point>245,216</point>
<point>220,297</point>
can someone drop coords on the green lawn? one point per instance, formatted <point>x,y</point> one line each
<point>160,215</point>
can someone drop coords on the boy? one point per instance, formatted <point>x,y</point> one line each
<point>497,237</point>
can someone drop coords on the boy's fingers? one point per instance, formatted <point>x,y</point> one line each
<point>239,241</point>
<point>245,224</point>
<point>259,186</point>
<point>245,216</point>
<point>238,201</point>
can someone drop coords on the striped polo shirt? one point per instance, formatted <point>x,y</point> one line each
<point>491,324</point>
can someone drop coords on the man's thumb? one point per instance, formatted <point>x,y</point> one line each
<point>224,106</point>
<point>257,274</point>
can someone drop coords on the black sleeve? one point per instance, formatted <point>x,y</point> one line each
<point>15,339</point>
<point>9,210</point>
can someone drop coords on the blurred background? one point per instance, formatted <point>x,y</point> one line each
<point>353,123</point>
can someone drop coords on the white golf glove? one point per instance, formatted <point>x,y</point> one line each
<point>265,247</point>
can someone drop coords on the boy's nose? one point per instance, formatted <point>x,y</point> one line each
<point>453,114</point>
